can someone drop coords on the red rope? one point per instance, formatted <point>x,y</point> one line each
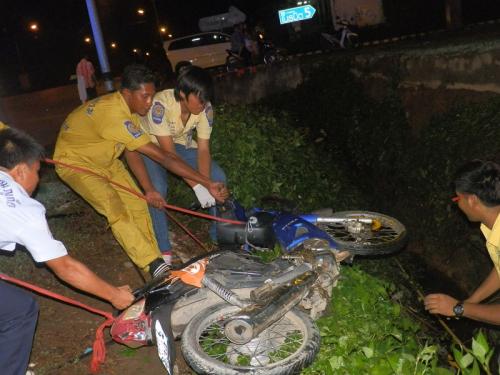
<point>99,348</point>
<point>126,188</point>
<point>185,229</point>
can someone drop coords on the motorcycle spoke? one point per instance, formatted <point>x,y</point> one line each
<point>383,235</point>
<point>274,344</point>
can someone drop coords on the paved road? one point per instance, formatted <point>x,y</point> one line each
<point>40,113</point>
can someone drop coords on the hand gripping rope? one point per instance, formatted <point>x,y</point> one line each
<point>141,196</point>
<point>98,348</point>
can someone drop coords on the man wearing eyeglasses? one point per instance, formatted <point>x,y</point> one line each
<point>477,185</point>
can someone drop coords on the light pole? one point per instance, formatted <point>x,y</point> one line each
<point>99,43</point>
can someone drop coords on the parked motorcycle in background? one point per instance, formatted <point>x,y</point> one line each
<point>343,37</point>
<point>268,50</point>
<point>265,52</point>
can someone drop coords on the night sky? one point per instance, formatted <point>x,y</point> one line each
<point>49,56</point>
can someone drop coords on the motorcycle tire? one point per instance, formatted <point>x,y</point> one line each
<point>233,64</point>
<point>270,58</point>
<point>389,238</point>
<point>351,42</point>
<point>280,351</point>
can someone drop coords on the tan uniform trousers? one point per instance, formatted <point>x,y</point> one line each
<point>127,214</point>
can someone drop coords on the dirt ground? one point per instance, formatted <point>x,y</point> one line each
<point>65,332</point>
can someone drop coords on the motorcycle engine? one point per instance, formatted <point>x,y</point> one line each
<point>324,263</point>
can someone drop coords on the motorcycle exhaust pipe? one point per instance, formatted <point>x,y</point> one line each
<point>226,294</point>
<point>243,328</point>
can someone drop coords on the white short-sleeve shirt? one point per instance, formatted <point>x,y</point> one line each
<point>164,119</point>
<point>22,221</point>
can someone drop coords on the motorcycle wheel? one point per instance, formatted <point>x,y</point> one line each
<point>351,42</point>
<point>286,347</point>
<point>270,58</point>
<point>233,64</point>
<point>386,237</point>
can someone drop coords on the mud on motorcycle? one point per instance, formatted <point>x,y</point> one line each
<point>238,314</point>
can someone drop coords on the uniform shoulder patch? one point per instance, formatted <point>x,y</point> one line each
<point>157,112</point>
<point>134,130</point>
<point>209,112</point>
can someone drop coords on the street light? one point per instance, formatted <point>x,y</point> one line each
<point>140,12</point>
<point>163,29</point>
<point>87,40</point>
<point>113,45</point>
<point>33,27</point>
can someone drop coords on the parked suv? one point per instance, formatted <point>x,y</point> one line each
<point>205,50</point>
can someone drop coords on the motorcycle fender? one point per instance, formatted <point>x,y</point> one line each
<point>164,339</point>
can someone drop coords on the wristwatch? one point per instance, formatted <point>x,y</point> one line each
<point>458,309</point>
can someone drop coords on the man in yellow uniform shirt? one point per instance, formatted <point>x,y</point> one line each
<point>477,185</point>
<point>176,115</point>
<point>94,136</point>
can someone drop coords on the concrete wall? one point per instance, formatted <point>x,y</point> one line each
<point>432,80</point>
<point>428,80</point>
<point>252,85</point>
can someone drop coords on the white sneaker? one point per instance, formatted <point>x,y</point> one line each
<point>167,257</point>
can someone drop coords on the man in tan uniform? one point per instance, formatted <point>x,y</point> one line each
<point>180,121</point>
<point>477,184</point>
<point>94,136</point>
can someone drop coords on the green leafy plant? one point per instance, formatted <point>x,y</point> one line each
<point>478,356</point>
<point>368,334</point>
<point>263,154</point>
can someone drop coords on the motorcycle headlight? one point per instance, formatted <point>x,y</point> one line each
<point>134,311</point>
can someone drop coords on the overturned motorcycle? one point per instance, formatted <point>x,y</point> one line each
<point>236,313</point>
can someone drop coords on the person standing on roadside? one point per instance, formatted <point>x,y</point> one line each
<point>238,47</point>
<point>94,136</point>
<point>477,185</point>
<point>23,222</point>
<point>85,74</point>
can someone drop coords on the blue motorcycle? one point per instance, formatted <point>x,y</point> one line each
<point>236,313</point>
<point>357,232</point>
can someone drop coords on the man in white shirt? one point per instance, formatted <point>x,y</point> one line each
<point>23,222</point>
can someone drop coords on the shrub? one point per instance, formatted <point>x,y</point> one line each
<point>262,155</point>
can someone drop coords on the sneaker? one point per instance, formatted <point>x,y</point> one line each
<point>167,257</point>
<point>158,267</point>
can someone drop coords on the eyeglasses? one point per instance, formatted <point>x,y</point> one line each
<point>455,199</point>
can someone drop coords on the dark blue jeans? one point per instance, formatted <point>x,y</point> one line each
<point>158,176</point>
<point>18,317</point>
